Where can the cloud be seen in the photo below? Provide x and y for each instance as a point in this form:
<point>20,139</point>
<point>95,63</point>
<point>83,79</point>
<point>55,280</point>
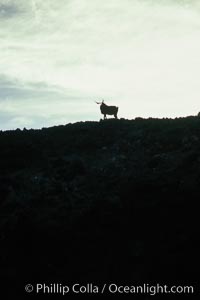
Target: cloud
<point>59,56</point>
<point>7,11</point>
<point>34,105</point>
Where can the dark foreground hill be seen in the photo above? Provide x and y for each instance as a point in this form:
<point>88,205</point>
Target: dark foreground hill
<point>101,202</point>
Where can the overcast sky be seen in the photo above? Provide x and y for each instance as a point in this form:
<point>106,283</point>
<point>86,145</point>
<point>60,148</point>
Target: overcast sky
<point>58,57</point>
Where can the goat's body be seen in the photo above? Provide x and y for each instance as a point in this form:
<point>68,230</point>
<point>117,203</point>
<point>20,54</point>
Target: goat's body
<point>108,110</point>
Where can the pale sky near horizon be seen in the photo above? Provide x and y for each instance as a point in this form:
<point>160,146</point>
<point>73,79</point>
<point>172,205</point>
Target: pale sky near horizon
<point>58,57</point>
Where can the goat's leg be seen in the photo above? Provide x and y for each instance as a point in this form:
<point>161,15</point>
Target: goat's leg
<point>104,117</point>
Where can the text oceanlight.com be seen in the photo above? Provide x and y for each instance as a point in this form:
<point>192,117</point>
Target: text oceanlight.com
<point>112,288</point>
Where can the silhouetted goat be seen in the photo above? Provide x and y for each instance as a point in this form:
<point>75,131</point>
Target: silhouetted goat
<point>108,110</point>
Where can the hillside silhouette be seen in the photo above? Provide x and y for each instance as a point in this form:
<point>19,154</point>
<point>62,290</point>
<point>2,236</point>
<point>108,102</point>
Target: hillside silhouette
<point>108,201</point>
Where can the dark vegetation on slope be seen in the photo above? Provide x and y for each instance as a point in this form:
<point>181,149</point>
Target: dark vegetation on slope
<point>109,201</point>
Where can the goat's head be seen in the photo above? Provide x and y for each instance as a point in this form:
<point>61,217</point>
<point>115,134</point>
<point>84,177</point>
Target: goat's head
<point>102,102</point>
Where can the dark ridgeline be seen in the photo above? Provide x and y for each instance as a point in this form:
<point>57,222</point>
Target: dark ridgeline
<point>111,201</point>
